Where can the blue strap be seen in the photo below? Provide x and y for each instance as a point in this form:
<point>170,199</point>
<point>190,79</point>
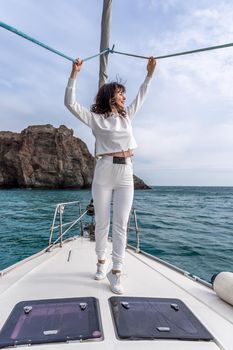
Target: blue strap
<point>25,36</point>
<point>175,54</point>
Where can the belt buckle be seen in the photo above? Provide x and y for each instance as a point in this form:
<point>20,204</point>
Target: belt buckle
<point>119,160</point>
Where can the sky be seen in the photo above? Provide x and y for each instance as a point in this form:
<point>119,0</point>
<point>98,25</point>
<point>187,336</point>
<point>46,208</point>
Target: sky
<point>184,129</point>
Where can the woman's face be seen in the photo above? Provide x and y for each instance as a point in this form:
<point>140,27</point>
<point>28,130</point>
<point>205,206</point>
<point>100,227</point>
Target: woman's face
<point>120,98</point>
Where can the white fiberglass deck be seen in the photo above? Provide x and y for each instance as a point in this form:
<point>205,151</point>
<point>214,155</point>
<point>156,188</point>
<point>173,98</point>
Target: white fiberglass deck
<point>51,275</point>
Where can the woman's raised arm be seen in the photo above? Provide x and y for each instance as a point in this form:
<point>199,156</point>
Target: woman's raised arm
<point>132,109</point>
<point>80,112</point>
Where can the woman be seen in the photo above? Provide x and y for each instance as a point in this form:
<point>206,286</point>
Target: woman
<point>110,122</point>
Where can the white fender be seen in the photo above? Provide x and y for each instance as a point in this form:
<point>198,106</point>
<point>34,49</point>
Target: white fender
<point>223,286</point>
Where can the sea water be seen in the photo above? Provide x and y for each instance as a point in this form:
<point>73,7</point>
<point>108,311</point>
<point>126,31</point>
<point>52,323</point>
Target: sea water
<point>190,227</point>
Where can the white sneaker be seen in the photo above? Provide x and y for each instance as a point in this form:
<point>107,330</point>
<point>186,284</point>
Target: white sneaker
<point>115,282</point>
<point>101,271</point>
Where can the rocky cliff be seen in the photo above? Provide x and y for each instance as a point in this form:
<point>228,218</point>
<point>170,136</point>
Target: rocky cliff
<point>42,156</point>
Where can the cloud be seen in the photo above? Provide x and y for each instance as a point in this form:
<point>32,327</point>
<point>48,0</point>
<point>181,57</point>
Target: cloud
<point>186,122</point>
<point>191,127</point>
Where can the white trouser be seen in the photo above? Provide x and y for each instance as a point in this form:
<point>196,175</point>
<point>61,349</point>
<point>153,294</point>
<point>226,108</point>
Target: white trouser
<point>116,179</point>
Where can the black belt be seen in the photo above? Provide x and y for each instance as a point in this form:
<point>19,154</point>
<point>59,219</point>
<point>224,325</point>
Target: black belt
<point>119,160</point>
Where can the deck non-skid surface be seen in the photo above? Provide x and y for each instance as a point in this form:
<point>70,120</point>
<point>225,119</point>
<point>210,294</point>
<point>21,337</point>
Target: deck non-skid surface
<point>70,273</point>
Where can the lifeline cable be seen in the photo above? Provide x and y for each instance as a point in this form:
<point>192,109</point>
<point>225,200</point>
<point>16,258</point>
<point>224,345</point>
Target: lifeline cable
<point>107,50</point>
<point>25,36</point>
<point>175,54</point>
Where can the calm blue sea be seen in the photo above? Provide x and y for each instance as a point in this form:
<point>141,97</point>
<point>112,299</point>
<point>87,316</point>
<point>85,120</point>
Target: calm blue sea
<point>190,227</point>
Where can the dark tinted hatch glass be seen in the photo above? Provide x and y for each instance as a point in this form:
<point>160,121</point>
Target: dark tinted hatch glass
<point>155,318</point>
<point>53,320</point>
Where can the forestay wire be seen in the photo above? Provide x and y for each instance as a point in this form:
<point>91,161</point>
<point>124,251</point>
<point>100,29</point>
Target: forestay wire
<point>107,50</point>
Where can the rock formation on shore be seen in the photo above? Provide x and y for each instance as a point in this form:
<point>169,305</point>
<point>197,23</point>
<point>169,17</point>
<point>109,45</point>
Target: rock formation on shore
<point>42,156</point>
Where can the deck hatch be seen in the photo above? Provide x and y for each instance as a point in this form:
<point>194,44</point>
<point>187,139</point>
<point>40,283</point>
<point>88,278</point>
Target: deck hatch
<point>52,320</point>
<point>155,318</point>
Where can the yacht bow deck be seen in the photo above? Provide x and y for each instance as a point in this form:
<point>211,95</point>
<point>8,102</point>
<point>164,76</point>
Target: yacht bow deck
<point>69,272</point>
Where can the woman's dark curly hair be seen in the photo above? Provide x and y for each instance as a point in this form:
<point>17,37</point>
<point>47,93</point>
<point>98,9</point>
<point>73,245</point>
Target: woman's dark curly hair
<point>105,99</point>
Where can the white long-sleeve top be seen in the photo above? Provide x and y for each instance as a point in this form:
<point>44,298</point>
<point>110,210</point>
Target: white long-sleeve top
<point>113,133</point>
